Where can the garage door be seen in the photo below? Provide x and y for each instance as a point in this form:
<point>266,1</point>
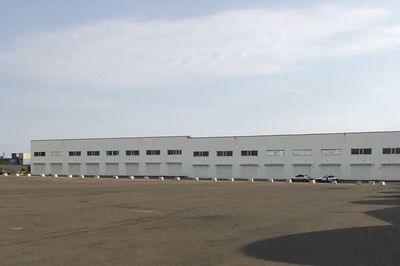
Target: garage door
<point>174,169</point>
<point>302,169</point>
<point>330,169</point>
<point>362,171</point>
<point>92,169</point>
<point>56,168</point>
<point>248,171</point>
<point>391,172</point>
<point>74,168</point>
<point>38,168</point>
<point>274,171</point>
<point>224,171</point>
<point>200,171</point>
<point>112,169</point>
<point>153,169</point>
<point>132,169</point>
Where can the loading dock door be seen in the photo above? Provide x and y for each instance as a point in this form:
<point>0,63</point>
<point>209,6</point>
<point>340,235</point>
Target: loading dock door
<point>224,171</point>
<point>56,168</point>
<point>74,168</point>
<point>153,169</point>
<point>330,169</point>
<point>39,168</point>
<point>112,169</point>
<point>132,169</point>
<point>200,171</point>
<point>302,169</point>
<point>174,169</point>
<point>391,172</point>
<point>361,171</point>
<point>92,169</point>
<point>274,171</point>
<point>248,171</point>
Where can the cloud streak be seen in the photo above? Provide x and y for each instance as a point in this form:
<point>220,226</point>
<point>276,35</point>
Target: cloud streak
<point>139,54</point>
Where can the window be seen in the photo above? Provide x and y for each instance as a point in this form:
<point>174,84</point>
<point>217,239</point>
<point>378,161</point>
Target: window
<point>331,152</point>
<point>174,152</point>
<point>391,150</point>
<point>39,154</point>
<point>224,153</point>
<point>275,152</point>
<point>249,153</point>
<point>200,153</point>
<point>112,153</point>
<point>153,152</point>
<point>74,153</point>
<point>56,153</point>
<point>132,152</point>
<point>365,151</point>
<point>93,153</point>
<point>302,152</point>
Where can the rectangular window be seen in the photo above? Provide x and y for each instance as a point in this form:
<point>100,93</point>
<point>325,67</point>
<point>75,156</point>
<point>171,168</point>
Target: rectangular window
<point>362,151</point>
<point>93,153</point>
<point>200,153</point>
<point>224,153</point>
<point>391,150</point>
<point>153,152</point>
<point>302,152</point>
<point>331,152</point>
<point>275,152</point>
<point>74,153</point>
<point>174,152</point>
<point>39,153</point>
<point>132,152</point>
<point>56,153</point>
<point>249,153</point>
<point>112,153</point>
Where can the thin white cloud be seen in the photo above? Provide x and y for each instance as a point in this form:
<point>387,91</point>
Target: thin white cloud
<point>131,53</point>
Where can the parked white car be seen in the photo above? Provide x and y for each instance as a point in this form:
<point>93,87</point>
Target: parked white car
<point>327,178</point>
<point>301,177</point>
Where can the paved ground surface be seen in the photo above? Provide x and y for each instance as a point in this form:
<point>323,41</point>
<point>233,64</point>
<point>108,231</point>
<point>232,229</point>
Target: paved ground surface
<point>62,221</point>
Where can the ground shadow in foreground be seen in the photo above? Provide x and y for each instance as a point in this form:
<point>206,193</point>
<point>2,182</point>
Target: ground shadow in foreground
<point>376,245</point>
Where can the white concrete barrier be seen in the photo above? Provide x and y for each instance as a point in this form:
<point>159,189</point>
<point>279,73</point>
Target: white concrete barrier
<point>5,174</point>
<point>82,176</point>
<point>29,175</point>
<point>270,180</point>
<point>97,176</point>
<point>334,182</point>
<point>116,177</point>
<point>55,175</point>
<point>382,183</point>
<point>214,179</point>
<point>161,178</point>
<point>232,179</point>
<point>43,175</point>
<point>251,180</point>
<point>177,178</point>
<point>289,180</point>
<point>132,177</point>
<point>146,178</point>
<point>196,179</point>
<point>17,174</point>
<point>371,182</point>
<point>70,176</point>
<point>312,181</point>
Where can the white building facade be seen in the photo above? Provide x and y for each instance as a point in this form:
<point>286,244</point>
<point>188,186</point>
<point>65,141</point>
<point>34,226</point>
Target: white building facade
<point>352,156</point>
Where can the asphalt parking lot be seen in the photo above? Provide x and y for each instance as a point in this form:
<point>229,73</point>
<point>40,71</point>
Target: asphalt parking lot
<point>62,221</point>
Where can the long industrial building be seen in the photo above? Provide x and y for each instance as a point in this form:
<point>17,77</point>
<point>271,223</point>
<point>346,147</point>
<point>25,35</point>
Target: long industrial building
<point>353,156</point>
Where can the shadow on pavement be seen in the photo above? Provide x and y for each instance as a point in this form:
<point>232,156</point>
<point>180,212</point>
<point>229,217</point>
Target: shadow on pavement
<point>373,245</point>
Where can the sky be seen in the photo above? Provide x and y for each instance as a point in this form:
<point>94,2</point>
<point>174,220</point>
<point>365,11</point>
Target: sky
<point>80,69</point>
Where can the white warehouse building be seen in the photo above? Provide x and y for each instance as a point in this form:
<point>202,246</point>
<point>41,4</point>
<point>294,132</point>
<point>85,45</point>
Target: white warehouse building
<point>355,156</point>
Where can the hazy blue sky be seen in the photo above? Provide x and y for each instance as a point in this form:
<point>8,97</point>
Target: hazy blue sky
<point>99,68</point>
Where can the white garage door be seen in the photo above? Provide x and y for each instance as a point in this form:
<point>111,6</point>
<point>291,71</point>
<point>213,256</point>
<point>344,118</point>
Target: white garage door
<point>112,169</point>
<point>74,168</point>
<point>56,168</point>
<point>330,169</point>
<point>361,171</point>
<point>302,169</point>
<point>274,171</point>
<point>224,171</point>
<point>92,169</point>
<point>174,169</point>
<point>132,169</point>
<point>391,172</point>
<point>248,171</point>
<point>38,168</point>
<point>200,171</point>
<point>153,169</point>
